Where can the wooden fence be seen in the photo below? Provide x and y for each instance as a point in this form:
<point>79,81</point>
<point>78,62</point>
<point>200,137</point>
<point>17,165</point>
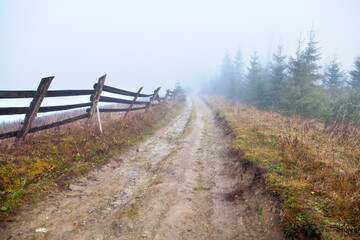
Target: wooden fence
<point>95,97</point>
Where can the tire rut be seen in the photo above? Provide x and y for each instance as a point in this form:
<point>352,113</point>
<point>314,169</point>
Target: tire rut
<point>172,186</point>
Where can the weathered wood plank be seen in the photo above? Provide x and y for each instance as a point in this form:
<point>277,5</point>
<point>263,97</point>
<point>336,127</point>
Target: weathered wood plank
<point>153,98</point>
<point>133,101</point>
<point>33,109</point>
<point>50,93</point>
<point>23,110</point>
<point>121,91</point>
<point>120,109</point>
<point>57,124</point>
<point>44,127</point>
<point>118,100</point>
<point>95,99</point>
<point>167,95</point>
<point>8,134</point>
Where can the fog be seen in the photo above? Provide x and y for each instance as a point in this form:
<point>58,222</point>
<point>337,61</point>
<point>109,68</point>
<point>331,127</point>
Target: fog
<point>155,43</point>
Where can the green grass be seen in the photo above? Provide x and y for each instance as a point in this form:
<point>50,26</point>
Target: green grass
<point>51,158</point>
<point>316,176</point>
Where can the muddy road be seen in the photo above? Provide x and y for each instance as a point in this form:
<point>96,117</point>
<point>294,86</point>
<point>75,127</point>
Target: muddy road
<point>181,183</point>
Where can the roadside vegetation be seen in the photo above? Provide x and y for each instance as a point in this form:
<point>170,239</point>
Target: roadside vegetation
<point>50,158</point>
<point>293,85</point>
<point>313,169</point>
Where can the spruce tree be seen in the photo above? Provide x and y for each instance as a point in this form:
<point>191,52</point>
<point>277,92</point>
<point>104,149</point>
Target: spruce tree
<point>239,75</point>
<point>255,84</point>
<point>355,75</point>
<point>232,88</point>
<point>354,96</point>
<point>226,74</point>
<point>304,76</point>
<point>278,78</point>
<point>265,77</point>
<point>334,79</point>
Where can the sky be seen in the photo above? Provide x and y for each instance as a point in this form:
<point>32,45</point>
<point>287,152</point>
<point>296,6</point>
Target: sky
<point>154,43</point>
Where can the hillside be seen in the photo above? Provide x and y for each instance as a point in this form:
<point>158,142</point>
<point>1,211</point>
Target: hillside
<point>50,158</point>
<point>181,183</point>
<point>313,168</point>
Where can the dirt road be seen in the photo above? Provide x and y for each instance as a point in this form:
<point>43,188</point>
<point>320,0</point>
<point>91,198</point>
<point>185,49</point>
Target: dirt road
<point>182,183</point>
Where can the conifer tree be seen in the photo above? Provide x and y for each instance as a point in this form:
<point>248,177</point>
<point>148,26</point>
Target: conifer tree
<point>354,96</point>
<point>355,75</point>
<point>334,79</point>
<point>255,84</point>
<point>265,77</point>
<point>226,74</point>
<point>239,75</point>
<point>232,88</point>
<point>304,75</point>
<point>278,78</point>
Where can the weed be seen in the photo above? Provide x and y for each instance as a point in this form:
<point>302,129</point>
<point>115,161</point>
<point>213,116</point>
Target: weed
<point>129,211</point>
<point>156,182</point>
<point>315,174</point>
<point>50,158</point>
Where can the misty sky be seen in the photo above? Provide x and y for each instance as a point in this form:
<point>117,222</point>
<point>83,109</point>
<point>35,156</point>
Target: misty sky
<point>153,43</point>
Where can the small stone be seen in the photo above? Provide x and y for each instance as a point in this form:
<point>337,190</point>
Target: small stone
<point>130,227</point>
<point>90,209</point>
<point>116,203</point>
<point>76,223</point>
<point>139,150</point>
<point>170,171</point>
<point>132,182</point>
<point>107,231</point>
<point>205,187</point>
<point>131,173</point>
<point>73,187</point>
<point>41,230</point>
<point>75,194</point>
<point>148,166</point>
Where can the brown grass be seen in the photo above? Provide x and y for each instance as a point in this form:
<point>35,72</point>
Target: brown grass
<point>314,171</point>
<point>50,158</point>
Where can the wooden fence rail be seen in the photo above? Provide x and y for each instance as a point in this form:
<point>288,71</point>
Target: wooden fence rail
<point>121,91</point>
<point>50,93</point>
<point>95,97</point>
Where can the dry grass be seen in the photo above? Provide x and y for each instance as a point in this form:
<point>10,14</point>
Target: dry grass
<point>314,171</point>
<point>49,158</point>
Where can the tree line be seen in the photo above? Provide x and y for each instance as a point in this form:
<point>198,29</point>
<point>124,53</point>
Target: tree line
<point>293,85</point>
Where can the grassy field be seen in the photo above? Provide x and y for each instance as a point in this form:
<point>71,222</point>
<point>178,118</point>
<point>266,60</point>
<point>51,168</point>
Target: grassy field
<point>50,158</point>
<point>313,168</point>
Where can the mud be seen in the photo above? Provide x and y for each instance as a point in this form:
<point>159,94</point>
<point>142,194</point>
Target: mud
<point>182,183</point>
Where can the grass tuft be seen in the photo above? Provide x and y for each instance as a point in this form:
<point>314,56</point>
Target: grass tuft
<point>316,175</point>
<point>52,157</point>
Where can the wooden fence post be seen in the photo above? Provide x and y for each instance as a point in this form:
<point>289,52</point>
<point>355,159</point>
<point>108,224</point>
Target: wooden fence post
<point>132,103</point>
<point>167,95</point>
<point>95,99</point>
<point>33,109</point>
<point>152,98</point>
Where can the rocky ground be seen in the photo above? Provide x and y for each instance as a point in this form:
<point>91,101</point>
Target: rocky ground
<point>181,183</point>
